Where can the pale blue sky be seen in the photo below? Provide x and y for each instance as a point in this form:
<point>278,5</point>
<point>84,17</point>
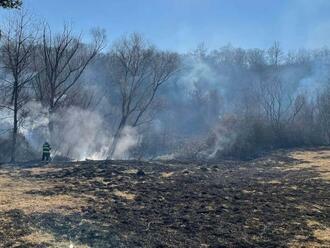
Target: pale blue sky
<point>181,25</point>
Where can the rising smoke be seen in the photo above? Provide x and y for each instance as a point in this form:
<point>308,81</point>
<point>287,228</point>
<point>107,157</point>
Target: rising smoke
<point>216,98</point>
<point>79,133</point>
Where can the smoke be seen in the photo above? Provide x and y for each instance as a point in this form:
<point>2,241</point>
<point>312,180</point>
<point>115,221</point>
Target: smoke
<point>35,124</point>
<point>129,139</point>
<point>235,79</point>
<point>6,117</point>
<point>84,134</point>
<point>316,80</point>
<point>196,70</point>
<point>78,133</point>
<point>196,100</point>
<point>225,135</point>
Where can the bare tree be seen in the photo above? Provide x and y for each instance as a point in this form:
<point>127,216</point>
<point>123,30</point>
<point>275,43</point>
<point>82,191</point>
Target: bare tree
<point>17,46</point>
<point>10,3</point>
<point>138,70</point>
<point>256,59</point>
<point>279,105</point>
<point>62,59</point>
<point>275,54</point>
<point>323,104</point>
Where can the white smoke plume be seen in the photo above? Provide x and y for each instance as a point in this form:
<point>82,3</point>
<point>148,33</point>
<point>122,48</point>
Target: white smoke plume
<point>35,125</point>
<point>129,139</point>
<point>224,137</point>
<point>78,133</point>
<point>316,81</point>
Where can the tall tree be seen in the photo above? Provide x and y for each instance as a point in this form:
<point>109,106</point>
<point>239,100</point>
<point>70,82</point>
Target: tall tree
<point>62,59</point>
<point>17,46</point>
<point>138,70</point>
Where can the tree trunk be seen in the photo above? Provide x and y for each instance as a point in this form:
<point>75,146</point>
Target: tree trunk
<point>15,127</point>
<point>51,127</point>
<point>50,117</point>
<point>117,136</point>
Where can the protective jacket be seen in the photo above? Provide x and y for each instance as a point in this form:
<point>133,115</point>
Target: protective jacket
<point>46,148</point>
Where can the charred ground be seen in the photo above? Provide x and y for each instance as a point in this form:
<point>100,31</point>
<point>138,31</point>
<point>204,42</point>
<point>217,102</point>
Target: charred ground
<point>281,200</point>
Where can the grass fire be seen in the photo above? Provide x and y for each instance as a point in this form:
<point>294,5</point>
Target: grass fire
<point>164,124</point>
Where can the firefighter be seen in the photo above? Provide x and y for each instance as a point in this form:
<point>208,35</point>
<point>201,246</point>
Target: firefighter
<point>46,151</point>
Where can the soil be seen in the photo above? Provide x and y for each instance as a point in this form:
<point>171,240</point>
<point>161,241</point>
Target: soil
<point>280,200</point>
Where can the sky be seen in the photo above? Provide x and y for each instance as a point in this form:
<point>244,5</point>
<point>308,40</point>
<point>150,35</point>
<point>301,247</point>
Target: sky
<point>181,25</point>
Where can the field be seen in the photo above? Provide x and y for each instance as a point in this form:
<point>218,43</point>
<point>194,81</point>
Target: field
<point>279,200</point>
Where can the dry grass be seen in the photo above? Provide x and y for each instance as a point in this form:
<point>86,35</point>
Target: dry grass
<point>130,171</point>
<point>299,244</point>
<point>124,194</point>
<point>14,194</point>
<point>167,174</point>
<point>96,191</point>
<point>39,237</point>
<point>322,234</point>
<point>42,170</point>
<point>98,179</point>
<point>248,191</point>
<point>313,160</point>
<point>318,161</point>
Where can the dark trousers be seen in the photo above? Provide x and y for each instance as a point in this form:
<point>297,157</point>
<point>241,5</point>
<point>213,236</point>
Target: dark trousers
<point>45,156</point>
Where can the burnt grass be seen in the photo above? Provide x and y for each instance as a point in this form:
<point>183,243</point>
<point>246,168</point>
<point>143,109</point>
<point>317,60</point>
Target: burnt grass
<point>202,204</point>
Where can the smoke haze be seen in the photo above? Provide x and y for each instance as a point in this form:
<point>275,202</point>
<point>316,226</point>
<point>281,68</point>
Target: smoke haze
<point>228,101</point>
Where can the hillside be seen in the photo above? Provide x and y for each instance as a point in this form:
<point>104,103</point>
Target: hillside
<point>280,200</point>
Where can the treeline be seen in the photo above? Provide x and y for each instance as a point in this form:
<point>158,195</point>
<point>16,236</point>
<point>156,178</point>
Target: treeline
<point>136,101</point>
<point>247,101</point>
<point>239,103</point>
